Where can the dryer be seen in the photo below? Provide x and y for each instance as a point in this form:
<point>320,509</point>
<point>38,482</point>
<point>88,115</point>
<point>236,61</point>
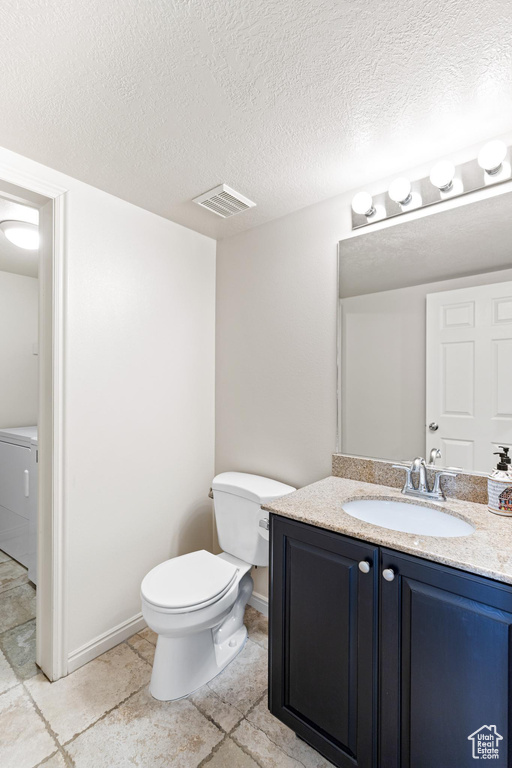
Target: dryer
<point>18,495</point>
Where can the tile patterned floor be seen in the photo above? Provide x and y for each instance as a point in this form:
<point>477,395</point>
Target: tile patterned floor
<point>102,715</point>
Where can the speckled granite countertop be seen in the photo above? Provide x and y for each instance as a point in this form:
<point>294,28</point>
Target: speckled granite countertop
<point>487,551</point>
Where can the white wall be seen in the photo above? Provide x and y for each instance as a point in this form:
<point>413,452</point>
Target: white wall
<point>276,348</point>
<point>139,399</point>
<point>383,368</point>
<point>139,402</point>
<point>18,363</point>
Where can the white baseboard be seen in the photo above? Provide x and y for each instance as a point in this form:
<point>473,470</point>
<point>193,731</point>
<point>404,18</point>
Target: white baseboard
<point>123,631</point>
<point>259,602</point>
<point>105,642</point>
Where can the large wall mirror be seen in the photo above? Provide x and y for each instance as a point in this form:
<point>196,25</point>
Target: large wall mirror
<point>425,337</point>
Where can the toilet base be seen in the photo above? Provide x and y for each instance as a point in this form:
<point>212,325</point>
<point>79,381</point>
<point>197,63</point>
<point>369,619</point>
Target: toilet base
<point>226,651</point>
<point>184,664</point>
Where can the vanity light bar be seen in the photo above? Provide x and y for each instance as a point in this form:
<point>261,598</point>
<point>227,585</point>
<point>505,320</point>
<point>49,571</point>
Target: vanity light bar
<point>493,166</point>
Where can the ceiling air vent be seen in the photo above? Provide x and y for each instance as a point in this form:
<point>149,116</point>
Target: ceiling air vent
<point>224,201</point>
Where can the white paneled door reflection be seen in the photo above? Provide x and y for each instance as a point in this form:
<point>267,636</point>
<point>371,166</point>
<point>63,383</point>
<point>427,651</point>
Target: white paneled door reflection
<point>469,374</point>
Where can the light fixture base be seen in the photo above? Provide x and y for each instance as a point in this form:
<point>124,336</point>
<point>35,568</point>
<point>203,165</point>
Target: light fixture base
<point>470,177</point>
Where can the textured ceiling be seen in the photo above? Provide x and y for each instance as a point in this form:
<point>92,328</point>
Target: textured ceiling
<point>12,258</point>
<point>289,102</point>
<point>468,240</point>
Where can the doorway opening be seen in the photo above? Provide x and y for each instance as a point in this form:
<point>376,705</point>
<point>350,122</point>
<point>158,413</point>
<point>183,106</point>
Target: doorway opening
<point>19,405</point>
<point>31,566</point>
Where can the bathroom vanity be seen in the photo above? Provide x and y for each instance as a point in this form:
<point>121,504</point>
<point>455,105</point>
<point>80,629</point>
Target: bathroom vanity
<point>389,649</point>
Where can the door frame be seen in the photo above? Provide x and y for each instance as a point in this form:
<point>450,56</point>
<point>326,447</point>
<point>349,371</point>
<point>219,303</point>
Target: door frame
<point>51,652</point>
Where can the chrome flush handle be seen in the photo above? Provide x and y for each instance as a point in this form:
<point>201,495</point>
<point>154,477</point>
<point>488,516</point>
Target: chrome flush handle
<point>264,523</point>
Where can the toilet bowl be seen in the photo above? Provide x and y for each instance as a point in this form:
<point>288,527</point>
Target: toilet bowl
<point>200,626</point>
<point>196,602</point>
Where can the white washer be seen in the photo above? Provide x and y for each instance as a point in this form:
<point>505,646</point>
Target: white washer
<point>18,495</point>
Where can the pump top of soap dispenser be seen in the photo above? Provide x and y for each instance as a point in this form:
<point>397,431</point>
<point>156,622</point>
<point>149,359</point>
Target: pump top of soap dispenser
<point>505,460</point>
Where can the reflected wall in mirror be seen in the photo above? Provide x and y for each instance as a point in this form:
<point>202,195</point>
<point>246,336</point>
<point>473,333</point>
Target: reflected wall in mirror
<point>425,337</point>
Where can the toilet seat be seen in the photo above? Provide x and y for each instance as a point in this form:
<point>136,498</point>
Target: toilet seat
<point>189,582</point>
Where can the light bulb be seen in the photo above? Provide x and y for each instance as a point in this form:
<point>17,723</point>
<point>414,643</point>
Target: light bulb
<point>442,175</point>
<point>491,156</point>
<point>21,233</point>
<point>362,204</point>
<point>400,191</point>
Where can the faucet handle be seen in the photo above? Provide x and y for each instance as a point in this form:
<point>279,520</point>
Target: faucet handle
<point>437,481</point>
<point>406,468</point>
<point>408,486</point>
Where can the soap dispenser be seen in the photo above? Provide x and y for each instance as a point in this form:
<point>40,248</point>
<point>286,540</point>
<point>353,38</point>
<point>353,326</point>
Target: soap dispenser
<point>500,485</point>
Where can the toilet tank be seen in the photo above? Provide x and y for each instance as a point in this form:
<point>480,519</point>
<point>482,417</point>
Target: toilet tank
<point>238,497</point>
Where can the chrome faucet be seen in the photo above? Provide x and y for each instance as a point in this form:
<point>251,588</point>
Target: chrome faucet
<point>422,489</point>
<point>419,466</point>
<point>435,453</point>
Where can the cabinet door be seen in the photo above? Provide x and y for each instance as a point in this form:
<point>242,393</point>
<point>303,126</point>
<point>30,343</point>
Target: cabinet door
<point>322,627</point>
<point>445,651</point>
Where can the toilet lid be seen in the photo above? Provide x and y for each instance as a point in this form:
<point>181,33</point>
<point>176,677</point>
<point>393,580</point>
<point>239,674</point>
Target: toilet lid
<point>188,581</point>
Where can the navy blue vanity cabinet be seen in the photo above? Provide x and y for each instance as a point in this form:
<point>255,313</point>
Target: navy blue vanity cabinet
<point>445,665</point>
<point>322,640</point>
<point>383,660</point>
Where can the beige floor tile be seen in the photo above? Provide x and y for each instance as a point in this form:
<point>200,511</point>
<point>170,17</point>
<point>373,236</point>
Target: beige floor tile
<point>147,733</point>
<point>285,738</point>
<point>17,606</point>
<point>3,557</point>
<point>75,702</point>
<point>229,755</point>
<point>210,704</point>
<point>12,574</point>
<point>7,677</point>
<point>257,626</point>
<point>19,646</point>
<point>149,635</point>
<point>261,748</point>
<point>24,740</point>
<point>143,647</point>
<point>244,681</point>
<point>56,761</point>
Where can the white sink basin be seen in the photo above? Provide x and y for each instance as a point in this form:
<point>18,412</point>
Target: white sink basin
<point>409,518</point>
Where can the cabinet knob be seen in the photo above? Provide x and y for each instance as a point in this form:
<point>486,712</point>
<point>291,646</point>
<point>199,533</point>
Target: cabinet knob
<point>433,426</point>
<point>388,574</point>
<point>364,566</point>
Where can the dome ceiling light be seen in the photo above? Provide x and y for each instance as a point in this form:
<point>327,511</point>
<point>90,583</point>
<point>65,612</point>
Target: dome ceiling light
<point>21,233</point>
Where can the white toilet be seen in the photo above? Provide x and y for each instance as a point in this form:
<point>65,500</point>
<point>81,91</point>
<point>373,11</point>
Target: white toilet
<point>195,603</point>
